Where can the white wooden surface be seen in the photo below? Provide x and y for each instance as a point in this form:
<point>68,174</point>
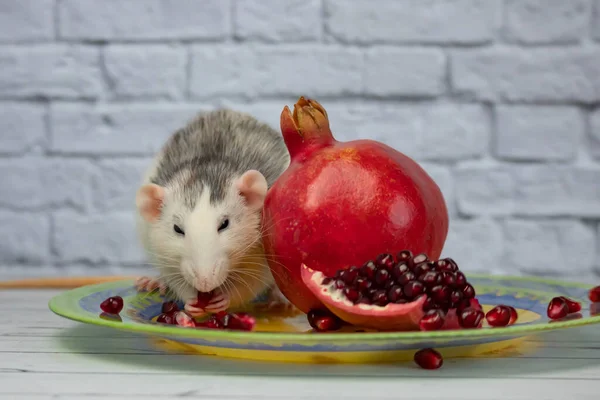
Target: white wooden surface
<point>43,356</point>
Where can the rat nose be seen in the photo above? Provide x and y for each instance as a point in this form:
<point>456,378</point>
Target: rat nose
<point>202,284</point>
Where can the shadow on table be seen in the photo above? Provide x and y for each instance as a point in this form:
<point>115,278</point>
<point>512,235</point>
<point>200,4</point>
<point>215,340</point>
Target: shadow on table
<point>520,363</point>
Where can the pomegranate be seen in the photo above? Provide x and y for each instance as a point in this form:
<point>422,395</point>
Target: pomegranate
<point>428,359</point>
<point>338,203</point>
<point>573,306</point>
<point>499,316</point>
<point>594,294</point>
<point>323,321</point>
<point>401,300</point>
<point>112,305</point>
<point>557,308</point>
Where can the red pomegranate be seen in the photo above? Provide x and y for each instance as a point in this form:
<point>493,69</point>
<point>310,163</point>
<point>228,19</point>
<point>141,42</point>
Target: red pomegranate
<point>338,203</point>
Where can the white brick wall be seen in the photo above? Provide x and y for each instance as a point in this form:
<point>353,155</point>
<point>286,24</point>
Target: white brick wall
<point>498,99</point>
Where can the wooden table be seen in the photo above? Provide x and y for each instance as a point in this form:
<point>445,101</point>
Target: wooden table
<point>43,356</point>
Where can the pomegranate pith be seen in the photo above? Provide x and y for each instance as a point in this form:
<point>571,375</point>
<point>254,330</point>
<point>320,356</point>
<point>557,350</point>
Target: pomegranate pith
<point>557,308</point>
<point>112,305</point>
<point>314,214</point>
<point>428,359</point>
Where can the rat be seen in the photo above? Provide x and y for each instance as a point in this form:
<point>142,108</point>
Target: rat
<point>199,210</point>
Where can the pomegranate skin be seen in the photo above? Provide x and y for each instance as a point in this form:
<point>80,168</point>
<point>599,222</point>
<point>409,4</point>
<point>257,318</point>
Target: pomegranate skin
<point>338,203</point>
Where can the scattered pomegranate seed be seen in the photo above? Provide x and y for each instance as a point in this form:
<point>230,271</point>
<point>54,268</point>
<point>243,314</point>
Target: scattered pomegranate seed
<point>470,318</point>
<point>428,359</point>
<point>498,316</point>
<point>169,307</point>
<point>432,321</point>
<point>240,321</point>
<point>514,316</point>
<point>168,319</point>
<point>594,294</point>
<point>323,321</point>
<point>212,323</point>
<point>573,305</point>
<point>557,308</point>
<point>184,319</point>
<point>112,305</point>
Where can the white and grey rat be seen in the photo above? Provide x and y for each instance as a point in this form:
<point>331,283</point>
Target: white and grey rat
<point>199,209</point>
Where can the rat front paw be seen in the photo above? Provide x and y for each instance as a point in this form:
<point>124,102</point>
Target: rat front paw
<point>190,308</point>
<point>148,284</point>
<point>219,302</point>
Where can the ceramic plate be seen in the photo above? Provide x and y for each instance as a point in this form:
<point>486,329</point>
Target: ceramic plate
<point>288,337</point>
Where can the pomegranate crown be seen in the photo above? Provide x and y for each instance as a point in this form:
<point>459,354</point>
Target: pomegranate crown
<point>306,126</point>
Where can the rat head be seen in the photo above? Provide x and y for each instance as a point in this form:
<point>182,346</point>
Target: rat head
<point>197,232</point>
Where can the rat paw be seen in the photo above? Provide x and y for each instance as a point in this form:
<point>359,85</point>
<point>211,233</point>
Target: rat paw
<point>190,308</point>
<point>219,302</point>
<point>148,284</point>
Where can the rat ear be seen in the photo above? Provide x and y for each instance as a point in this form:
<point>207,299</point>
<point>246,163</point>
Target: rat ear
<point>149,200</point>
<point>253,186</point>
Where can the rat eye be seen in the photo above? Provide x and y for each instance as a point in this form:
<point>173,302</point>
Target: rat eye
<point>178,230</point>
<point>224,225</point>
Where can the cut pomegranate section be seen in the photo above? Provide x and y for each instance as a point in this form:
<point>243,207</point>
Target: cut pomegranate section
<point>557,308</point>
<point>428,359</point>
<point>396,300</point>
<point>112,305</point>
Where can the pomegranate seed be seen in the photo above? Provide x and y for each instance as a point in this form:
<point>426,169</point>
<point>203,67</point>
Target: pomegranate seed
<point>240,321</point>
<point>351,294</point>
<point>514,316</point>
<point>203,298</point>
<point>455,297</point>
<point>574,306</point>
<point>323,321</point>
<point>339,284</point>
<point>405,278</point>
<point>440,294</point>
<point>362,284</point>
<point>382,276</point>
<point>432,321</point>
<point>498,316</point>
<point>168,319</point>
<point>380,298</point>
<point>395,293</point>
<point>453,265</point>
<point>420,269</point>
<point>460,278</point>
<point>418,259</point>
<point>184,319</point>
<point>368,270</point>
<point>442,265</point>
<point>557,308</point>
<point>399,269</point>
<point>429,304</point>
<point>413,289</point>
<point>169,307</point>
<point>470,318</point>
<point>428,359</point>
<point>212,323</point>
<point>112,305</point>
<point>594,294</point>
<point>468,291</point>
<point>448,279</point>
<point>385,261</point>
<point>404,255</point>
<point>431,278</point>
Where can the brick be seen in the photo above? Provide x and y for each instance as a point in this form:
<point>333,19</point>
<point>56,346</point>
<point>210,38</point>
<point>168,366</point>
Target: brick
<point>154,19</point>
<point>546,21</point>
<point>51,70</point>
<point>528,75</point>
<point>117,182</point>
<point>137,129</point>
<point>25,238</point>
<point>476,245</point>
<point>98,238</point>
<point>244,71</point>
<point>404,72</point>
<point>596,19</point>
<point>25,20</point>
<point>38,183</point>
<point>412,21</point>
<point>22,126</point>
<point>528,190</point>
<point>595,133</point>
<point>157,71</point>
<point>268,112</point>
<point>538,132</point>
<point>278,20</point>
<point>549,247</point>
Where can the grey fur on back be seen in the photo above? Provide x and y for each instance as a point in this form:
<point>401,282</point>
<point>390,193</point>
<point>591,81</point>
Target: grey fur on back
<point>217,146</point>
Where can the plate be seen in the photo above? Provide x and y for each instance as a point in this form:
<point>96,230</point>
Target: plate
<point>280,336</point>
